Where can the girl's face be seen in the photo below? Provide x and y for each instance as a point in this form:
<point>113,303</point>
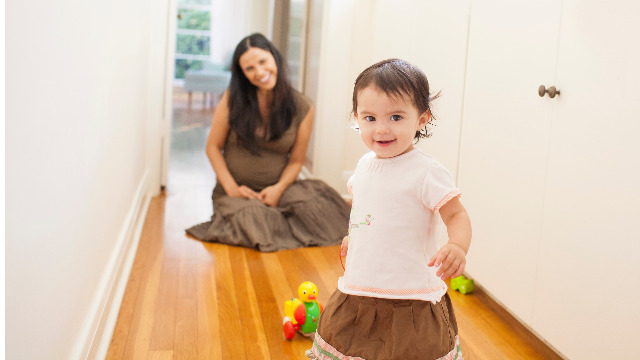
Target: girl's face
<point>259,67</point>
<point>388,125</point>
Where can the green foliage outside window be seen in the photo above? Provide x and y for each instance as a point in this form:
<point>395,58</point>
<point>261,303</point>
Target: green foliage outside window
<point>194,19</point>
<point>183,65</point>
<point>192,44</point>
<point>189,44</point>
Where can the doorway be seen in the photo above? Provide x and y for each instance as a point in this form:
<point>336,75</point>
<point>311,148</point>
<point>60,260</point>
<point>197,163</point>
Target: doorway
<point>205,33</point>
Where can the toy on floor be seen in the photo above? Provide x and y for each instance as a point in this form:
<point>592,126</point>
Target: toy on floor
<point>462,284</point>
<point>302,314</point>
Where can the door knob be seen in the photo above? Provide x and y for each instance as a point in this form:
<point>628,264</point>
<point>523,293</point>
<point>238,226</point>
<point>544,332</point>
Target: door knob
<point>552,91</point>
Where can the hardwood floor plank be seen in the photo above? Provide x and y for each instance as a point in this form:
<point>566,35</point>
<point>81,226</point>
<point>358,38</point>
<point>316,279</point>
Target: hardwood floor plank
<point>475,341</point>
<point>138,342</point>
<point>186,324</point>
<point>519,337</point>
<point>328,272</point>
<point>251,320</point>
<point>139,273</point>
<point>209,334</point>
<point>164,322</point>
<point>270,282</point>
<point>273,274</point>
<point>160,355</point>
<point>228,312</point>
<point>499,343</point>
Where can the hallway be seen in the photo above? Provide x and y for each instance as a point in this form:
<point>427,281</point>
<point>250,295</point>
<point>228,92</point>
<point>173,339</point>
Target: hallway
<point>186,299</point>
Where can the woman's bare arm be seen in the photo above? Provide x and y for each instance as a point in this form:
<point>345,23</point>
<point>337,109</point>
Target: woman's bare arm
<point>215,143</point>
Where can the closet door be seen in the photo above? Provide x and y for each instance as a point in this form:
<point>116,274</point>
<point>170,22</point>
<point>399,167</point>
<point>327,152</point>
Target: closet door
<point>589,272</point>
<point>505,137</point>
<point>442,58</point>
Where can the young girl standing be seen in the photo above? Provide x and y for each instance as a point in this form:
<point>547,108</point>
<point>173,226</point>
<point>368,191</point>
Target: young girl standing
<point>392,302</point>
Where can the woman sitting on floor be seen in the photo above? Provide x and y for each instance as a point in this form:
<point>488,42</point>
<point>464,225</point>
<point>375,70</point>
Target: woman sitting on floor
<point>257,146</point>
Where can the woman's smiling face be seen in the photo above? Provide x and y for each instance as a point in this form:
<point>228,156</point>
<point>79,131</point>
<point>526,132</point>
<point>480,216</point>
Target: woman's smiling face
<point>387,124</point>
<point>259,67</point>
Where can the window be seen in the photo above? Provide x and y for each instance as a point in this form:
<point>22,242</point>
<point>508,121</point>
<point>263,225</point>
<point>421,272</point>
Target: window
<point>296,44</point>
<point>193,35</point>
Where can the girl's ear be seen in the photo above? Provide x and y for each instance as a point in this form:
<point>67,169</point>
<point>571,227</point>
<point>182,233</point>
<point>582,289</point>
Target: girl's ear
<point>424,119</point>
<point>356,124</point>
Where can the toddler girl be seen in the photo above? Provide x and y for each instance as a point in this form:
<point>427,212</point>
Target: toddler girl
<point>392,302</point>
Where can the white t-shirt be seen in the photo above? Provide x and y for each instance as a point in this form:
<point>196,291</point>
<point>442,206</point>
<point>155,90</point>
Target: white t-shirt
<point>393,227</point>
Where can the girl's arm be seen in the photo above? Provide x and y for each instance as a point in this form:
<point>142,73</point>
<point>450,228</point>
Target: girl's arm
<point>271,194</point>
<point>215,143</point>
<point>452,256</point>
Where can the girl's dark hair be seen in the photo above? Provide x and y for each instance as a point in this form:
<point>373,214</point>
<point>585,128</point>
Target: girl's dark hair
<point>397,78</point>
<point>244,112</point>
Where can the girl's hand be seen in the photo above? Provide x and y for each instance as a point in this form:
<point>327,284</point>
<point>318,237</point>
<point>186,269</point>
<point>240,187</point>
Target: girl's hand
<point>271,195</point>
<point>451,259</point>
<point>244,192</point>
<point>344,247</point>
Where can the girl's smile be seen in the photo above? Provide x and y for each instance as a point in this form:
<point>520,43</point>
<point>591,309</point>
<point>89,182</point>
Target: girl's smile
<point>384,143</point>
<point>387,124</point>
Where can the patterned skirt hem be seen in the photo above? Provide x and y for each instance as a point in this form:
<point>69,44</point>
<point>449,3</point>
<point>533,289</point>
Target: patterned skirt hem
<point>321,350</point>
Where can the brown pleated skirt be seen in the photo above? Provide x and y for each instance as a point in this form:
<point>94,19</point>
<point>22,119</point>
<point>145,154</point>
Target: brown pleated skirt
<point>357,327</point>
<point>309,213</point>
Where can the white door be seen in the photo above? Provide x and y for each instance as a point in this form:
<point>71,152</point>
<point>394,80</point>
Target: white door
<point>589,269</point>
<point>505,137</point>
<point>442,58</point>
<point>312,67</point>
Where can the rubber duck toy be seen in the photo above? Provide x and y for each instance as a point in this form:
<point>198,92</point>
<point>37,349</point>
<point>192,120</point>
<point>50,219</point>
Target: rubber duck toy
<point>301,314</point>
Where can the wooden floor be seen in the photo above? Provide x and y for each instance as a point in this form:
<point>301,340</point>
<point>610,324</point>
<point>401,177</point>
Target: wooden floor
<point>186,299</point>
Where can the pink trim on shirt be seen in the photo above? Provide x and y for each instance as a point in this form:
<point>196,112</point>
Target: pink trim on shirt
<point>451,195</point>
<point>398,292</point>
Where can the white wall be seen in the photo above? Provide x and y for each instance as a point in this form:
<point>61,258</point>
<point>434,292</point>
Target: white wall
<point>334,91</point>
<point>78,166</point>
<point>233,20</point>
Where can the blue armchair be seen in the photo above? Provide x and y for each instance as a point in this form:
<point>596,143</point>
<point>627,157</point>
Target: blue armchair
<point>213,79</point>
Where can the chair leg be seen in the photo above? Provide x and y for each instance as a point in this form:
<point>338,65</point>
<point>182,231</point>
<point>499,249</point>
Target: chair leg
<point>204,100</point>
<point>189,102</point>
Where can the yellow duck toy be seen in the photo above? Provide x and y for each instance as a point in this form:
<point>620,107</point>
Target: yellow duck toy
<point>302,314</point>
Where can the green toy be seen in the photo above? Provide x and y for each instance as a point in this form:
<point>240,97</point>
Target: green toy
<point>302,314</point>
<point>462,284</point>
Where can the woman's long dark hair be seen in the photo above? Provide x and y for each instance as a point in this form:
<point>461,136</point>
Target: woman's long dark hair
<point>244,112</point>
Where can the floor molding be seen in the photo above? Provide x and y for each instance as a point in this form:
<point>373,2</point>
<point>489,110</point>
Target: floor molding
<point>525,331</point>
<point>305,173</point>
<point>93,340</point>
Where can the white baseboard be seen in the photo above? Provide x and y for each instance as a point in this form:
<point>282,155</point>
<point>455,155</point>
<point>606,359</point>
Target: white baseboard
<point>516,317</point>
<point>305,173</point>
<point>93,340</point>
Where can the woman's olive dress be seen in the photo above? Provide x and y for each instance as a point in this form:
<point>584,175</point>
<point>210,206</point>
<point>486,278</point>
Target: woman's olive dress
<point>309,213</point>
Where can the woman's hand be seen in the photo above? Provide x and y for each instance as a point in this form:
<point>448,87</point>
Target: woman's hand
<point>271,195</point>
<point>451,258</point>
<point>244,192</point>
